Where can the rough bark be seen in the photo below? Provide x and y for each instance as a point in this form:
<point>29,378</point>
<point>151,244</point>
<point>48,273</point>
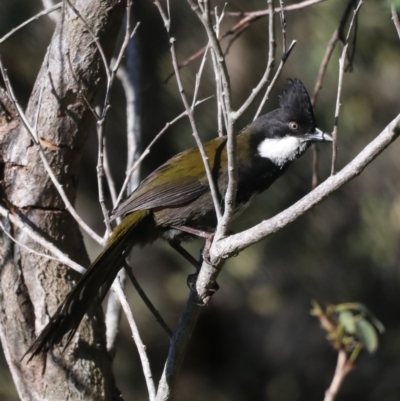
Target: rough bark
<point>31,287</point>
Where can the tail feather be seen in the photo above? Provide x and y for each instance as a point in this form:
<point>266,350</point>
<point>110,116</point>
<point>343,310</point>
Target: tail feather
<point>92,287</point>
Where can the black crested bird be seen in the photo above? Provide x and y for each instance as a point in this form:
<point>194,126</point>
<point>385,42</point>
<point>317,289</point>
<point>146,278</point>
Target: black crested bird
<point>174,202</point>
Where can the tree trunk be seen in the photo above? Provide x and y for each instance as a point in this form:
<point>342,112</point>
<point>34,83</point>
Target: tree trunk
<point>31,287</point>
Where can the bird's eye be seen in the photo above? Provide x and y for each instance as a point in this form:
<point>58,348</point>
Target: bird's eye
<point>293,126</point>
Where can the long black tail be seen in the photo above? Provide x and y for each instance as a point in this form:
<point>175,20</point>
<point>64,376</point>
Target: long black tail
<point>93,286</point>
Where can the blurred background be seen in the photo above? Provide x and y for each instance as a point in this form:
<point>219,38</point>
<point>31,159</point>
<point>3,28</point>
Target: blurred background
<point>257,340</point>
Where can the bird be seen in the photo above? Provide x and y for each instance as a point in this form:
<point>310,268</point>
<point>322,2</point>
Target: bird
<point>175,202</point>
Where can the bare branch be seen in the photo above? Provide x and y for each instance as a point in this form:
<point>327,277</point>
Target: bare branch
<point>138,341</point>
<point>133,127</point>
<point>16,220</point>
<point>28,21</point>
<point>131,85</point>
<point>146,300</point>
<point>263,13</point>
<point>340,84</point>
<point>42,255</point>
<point>270,65</point>
<point>53,16</point>
<point>179,341</point>
<point>222,71</point>
<point>395,18</point>
<point>275,78</point>
<point>343,367</point>
<point>110,73</point>
<point>166,18</point>
<point>338,35</point>
<point>148,149</point>
<point>196,135</point>
<point>184,330</point>
<point>100,176</point>
<point>249,18</point>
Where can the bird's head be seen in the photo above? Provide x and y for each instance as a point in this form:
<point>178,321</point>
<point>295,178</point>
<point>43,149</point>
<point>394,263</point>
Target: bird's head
<point>285,133</point>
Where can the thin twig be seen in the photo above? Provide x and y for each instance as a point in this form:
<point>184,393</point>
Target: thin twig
<point>144,359</point>
<point>148,149</point>
<point>283,25</point>
<point>338,35</point>
<point>395,19</point>
<point>221,113</point>
<point>196,135</point>
<point>230,194</point>
<point>263,13</point>
<point>270,64</point>
<point>106,106</point>
<point>275,78</point>
<point>343,368</point>
<point>46,164</point>
<point>166,19</point>
<point>315,166</point>
<point>23,226</point>
<point>133,124</point>
<point>340,85</point>
<point>146,300</point>
<point>271,52</point>
<point>198,79</point>
<point>110,73</point>
<point>42,255</point>
<point>249,18</point>
<point>109,177</point>
<point>179,341</point>
<point>53,16</point>
<point>100,176</point>
<point>318,86</point>
<point>131,84</point>
<point>28,21</point>
<point>94,37</point>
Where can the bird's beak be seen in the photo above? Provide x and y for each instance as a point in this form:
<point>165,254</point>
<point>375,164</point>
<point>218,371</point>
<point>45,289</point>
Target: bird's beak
<point>318,136</point>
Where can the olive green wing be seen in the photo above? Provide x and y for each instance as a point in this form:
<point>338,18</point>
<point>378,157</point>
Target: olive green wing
<point>180,180</point>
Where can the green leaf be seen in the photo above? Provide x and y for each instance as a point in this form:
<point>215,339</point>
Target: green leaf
<point>367,335</point>
<point>358,307</point>
<point>346,318</point>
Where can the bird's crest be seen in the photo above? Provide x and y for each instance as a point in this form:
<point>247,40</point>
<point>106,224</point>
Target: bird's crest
<point>295,100</point>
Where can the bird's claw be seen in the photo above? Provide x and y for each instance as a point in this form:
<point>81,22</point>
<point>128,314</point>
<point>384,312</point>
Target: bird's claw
<point>206,250</point>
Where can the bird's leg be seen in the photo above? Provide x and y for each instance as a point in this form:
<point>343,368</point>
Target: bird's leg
<point>182,251</point>
<point>191,279</point>
<point>202,234</point>
<point>194,231</point>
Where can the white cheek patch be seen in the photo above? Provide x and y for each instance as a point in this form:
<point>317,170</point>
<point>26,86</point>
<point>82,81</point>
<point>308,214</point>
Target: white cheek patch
<point>281,150</point>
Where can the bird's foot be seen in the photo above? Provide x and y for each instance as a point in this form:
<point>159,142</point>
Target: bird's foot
<point>206,250</point>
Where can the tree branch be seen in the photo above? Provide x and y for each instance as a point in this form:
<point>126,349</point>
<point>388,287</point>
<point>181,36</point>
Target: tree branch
<point>236,243</point>
<point>343,368</point>
<point>340,85</point>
